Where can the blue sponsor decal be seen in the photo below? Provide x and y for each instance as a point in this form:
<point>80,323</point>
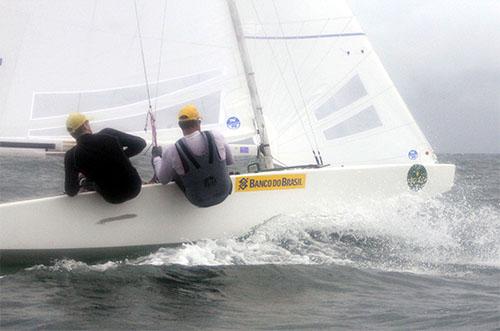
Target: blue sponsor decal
<point>244,149</point>
<point>233,122</point>
<point>413,154</point>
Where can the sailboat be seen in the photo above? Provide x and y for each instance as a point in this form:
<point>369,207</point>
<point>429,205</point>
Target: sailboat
<point>296,83</point>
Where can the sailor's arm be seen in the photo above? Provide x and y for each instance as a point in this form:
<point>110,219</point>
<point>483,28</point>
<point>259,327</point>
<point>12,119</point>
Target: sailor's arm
<point>229,154</point>
<point>71,186</point>
<point>163,168</point>
<point>220,141</point>
<point>133,145</point>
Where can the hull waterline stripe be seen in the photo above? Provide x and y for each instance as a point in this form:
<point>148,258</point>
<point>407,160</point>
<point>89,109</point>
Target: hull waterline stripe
<point>317,36</point>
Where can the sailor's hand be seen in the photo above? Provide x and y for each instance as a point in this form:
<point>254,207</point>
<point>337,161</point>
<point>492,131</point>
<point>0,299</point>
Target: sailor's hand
<point>156,151</point>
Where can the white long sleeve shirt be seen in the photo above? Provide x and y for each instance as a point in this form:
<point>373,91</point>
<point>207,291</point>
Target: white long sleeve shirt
<point>170,163</point>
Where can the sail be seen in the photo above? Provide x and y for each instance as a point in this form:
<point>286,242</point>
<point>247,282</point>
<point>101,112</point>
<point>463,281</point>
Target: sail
<point>64,56</point>
<point>323,88</point>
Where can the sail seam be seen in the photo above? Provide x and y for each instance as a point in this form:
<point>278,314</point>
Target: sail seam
<point>317,36</point>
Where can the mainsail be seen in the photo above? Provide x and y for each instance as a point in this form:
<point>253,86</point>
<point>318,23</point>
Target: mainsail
<point>322,86</point>
<point>324,89</point>
<point>66,56</point>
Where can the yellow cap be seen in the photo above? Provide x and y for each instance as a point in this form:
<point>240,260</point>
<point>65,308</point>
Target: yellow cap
<point>188,113</point>
<point>74,121</point>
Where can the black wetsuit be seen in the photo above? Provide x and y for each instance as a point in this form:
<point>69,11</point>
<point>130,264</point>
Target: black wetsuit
<point>103,158</point>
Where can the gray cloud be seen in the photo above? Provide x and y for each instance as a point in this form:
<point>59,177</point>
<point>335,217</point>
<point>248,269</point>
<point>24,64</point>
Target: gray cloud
<point>444,57</point>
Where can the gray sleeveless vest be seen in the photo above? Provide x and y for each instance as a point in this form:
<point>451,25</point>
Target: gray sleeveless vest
<point>206,180</point>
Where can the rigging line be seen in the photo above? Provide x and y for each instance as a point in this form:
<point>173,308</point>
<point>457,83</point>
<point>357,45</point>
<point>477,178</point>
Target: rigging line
<point>142,53</point>
<point>308,116</point>
<point>274,98</point>
<point>284,81</point>
<point>312,48</point>
<point>149,114</point>
<point>317,41</point>
<point>160,55</point>
<point>291,119</point>
<point>279,74</point>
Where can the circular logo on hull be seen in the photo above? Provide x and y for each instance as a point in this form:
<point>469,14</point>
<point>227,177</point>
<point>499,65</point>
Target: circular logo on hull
<point>417,177</point>
<point>233,122</point>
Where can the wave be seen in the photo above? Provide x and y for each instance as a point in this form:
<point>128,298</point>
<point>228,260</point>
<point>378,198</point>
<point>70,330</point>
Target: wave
<point>401,234</point>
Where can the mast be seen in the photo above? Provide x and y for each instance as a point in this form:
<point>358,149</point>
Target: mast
<point>266,160</point>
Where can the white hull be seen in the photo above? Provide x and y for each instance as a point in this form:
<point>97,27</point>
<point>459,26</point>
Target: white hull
<point>162,215</point>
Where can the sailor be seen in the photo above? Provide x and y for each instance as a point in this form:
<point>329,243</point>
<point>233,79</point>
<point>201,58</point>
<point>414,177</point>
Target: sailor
<point>102,158</point>
<point>197,162</point>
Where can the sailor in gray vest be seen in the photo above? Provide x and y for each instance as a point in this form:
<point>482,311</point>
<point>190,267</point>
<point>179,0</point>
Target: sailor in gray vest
<point>197,162</point>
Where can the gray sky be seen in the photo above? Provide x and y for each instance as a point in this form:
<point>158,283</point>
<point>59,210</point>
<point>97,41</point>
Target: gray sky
<point>444,57</point>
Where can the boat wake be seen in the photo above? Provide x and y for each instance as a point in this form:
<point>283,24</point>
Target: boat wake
<point>401,235</point>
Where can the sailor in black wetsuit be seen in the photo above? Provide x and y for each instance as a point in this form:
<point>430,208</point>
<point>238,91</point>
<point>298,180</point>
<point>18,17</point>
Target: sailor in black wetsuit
<point>102,158</point>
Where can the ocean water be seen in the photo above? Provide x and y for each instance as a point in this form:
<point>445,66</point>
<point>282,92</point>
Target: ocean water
<point>391,264</point>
